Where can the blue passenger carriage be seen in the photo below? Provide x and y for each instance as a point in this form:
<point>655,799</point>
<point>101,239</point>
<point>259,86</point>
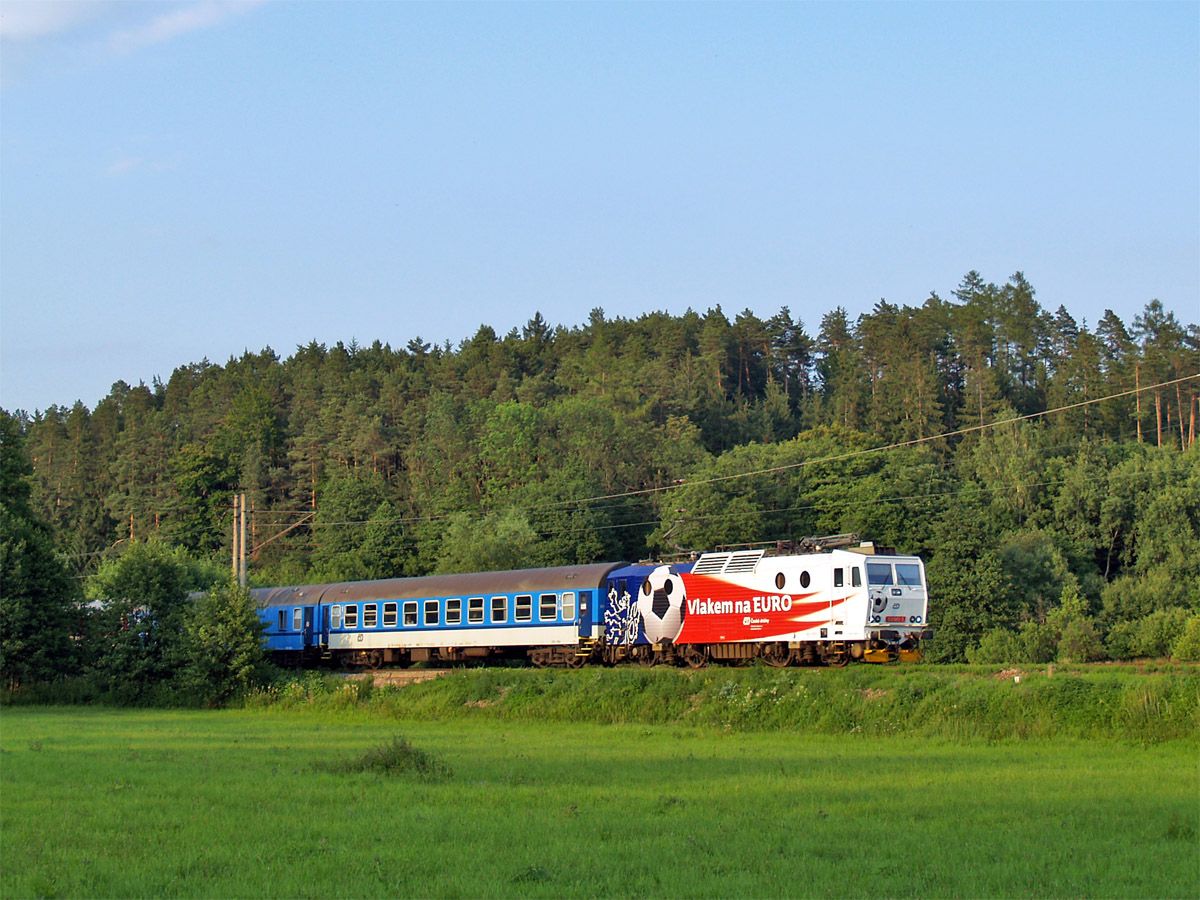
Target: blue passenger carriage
<point>553,616</point>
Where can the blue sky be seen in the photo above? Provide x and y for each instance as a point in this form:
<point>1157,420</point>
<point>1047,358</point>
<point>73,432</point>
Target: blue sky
<point>186,180</point>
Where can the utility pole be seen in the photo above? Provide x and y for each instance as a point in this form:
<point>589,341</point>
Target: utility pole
<point>242,544</point>
<point>234,543</point>
<point>238,560</point>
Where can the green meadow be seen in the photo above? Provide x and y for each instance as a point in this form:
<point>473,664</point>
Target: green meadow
<point>311,799</point>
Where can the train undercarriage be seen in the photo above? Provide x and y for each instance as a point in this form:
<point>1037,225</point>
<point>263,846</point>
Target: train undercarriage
<point>778,654</point>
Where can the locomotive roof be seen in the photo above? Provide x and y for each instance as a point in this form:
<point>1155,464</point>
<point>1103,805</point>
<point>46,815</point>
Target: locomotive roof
<point>518,581</point>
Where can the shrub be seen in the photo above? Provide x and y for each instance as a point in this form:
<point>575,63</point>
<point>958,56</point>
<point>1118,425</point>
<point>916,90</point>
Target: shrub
<point>1039,641</point>
<point>1080,642</point>
<point>1187,647</point>
<point>398,757</point>
<point>1121,642</point>
<point>222,646</point>
<point>1152,635</point>
<point>997,646</point>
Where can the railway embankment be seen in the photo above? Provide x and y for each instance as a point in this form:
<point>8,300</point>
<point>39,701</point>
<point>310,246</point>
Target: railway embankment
<point>1147,704</point>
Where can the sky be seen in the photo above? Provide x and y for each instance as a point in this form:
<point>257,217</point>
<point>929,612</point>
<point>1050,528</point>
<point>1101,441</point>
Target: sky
<point>188,180</point>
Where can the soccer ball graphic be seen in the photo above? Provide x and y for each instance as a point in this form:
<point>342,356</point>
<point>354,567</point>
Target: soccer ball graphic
<point>660,604</point>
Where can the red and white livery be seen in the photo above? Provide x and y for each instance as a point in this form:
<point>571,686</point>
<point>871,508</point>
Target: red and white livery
<point>819,607</point>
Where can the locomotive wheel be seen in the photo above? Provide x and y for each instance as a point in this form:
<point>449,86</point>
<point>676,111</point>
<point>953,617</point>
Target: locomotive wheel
<point>646,656</point>
<point>695,656</point>
<point>776,654</point>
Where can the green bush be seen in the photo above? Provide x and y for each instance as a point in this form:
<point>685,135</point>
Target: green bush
<point>1000,645</point>
<point>1040,642</point>
<point>1187,647</point>
<point>222,646</point>
<point>1080,641</point>
<point>1152,635</point>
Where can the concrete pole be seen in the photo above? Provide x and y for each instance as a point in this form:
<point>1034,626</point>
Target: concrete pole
<point>234,542</point>
<point>242,544</point>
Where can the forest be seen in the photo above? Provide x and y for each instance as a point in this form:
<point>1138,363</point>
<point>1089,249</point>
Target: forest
<point>1045,468</point>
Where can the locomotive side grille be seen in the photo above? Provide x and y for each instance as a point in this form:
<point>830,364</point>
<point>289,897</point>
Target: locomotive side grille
<point>743,561</point>
<point>710,564</point>
<point>737,563</point>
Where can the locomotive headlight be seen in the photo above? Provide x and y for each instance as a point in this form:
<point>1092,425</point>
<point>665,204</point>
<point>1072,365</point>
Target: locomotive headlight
<point>916,620</point>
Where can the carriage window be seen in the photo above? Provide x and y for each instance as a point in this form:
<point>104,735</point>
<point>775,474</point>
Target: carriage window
<point>431,612</point>
<point>856,577</point>
<point>839,577</point>
<point>568,606</point>
<point>297,620</point>
<point>335,617</point>
<point>879,573</point>
<point>282,620</point>
<point>499,609</point>
<point>410,612</point>
<point>524,612</point>
<point>453,612</point>
<point>908,574</point>
<point>548,608</point>
<point>389,615</point>
<point>351,616</point>
<point>475,610</point>
<point>370,615</point>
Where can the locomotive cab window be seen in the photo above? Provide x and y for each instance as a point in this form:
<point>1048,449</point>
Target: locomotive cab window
<point>370,615</point>
<point>475,610</point>
<point>879,573</point>
<point>351,616</point>
<point>568,606</point>
<point>908,574</point>
<point>454,612</point>
<point>282,620</point>
<point>335,617</point>
<point>499,610</point>
<point>431,612</point>
<point>297,620</point>
<point>856,577</point>
<point>389,615</point>
<point>839,577</point>
<point>524,610</point>
<point>410,612</point>
<point>548,608</point>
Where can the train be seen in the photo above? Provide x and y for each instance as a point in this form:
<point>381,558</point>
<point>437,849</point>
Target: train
<point>780,606</point>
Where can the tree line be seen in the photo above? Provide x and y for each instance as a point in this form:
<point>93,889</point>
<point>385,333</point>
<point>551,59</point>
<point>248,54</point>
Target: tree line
<point>1073,533</point>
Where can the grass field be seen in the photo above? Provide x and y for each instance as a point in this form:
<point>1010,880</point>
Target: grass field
<point>268,802</point>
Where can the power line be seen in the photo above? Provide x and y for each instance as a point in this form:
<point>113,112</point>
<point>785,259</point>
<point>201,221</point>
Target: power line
<point>893,446</point>
<point>771,470</point>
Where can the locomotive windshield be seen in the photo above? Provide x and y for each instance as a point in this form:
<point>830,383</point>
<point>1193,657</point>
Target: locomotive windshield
<point>908,574</point>
<point>879,573</point>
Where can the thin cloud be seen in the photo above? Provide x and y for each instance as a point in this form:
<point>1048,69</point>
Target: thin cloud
<point>124,166</point>
<point>29,20</point>
<point>170,25</point>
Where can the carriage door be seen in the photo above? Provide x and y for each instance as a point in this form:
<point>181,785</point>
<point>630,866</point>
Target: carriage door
<point>585,614</point>
<point>324,612</point>
<point>308,626</point>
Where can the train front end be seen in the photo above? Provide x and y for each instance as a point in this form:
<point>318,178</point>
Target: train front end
<point>898,608</point>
